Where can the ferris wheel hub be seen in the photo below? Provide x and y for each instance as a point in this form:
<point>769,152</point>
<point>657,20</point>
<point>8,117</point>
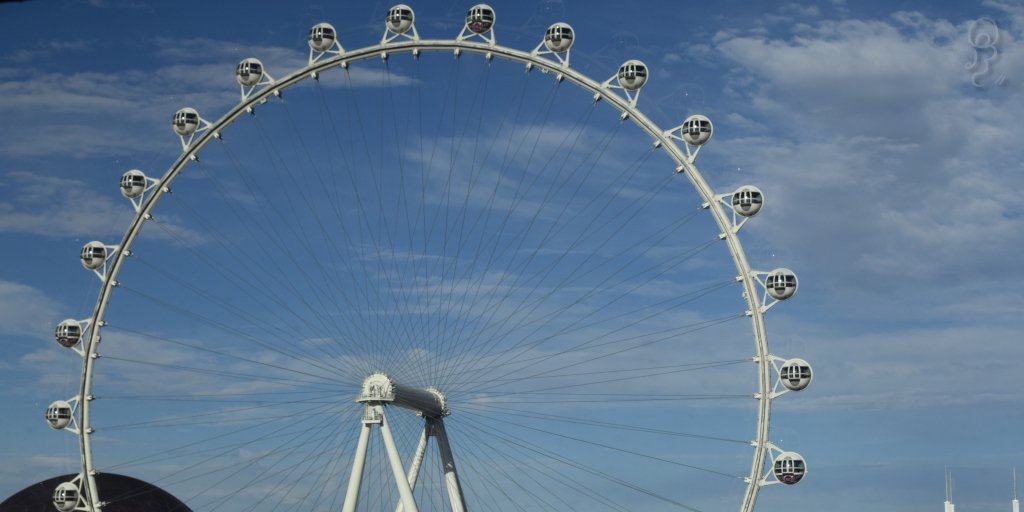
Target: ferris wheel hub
<point>379,388</point>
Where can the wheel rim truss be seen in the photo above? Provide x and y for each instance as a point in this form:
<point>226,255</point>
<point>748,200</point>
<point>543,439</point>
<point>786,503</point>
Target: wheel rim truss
<point>684,158</point>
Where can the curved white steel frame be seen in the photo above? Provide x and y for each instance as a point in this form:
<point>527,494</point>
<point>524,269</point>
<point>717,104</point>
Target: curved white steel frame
<point>662,139</point>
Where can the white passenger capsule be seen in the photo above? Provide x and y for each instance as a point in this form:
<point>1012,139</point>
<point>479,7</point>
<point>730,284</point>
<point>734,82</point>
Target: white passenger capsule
<point>632,75</point>
<point>68,333</point>
<point>781,283</point>
<point>747,200</point>
<point>559,38</point>
<point>789,468</point>
<point>133,183</point>
<point>400,19</point>
<point>697,130</point>
<point>93,255</point>
<point>249,72</point>
<point>58,415</point>
<point>185,122</point>
<point>65,497</point>
<point>480,18</point>
<point>796,374</point>
<point>322,37</point>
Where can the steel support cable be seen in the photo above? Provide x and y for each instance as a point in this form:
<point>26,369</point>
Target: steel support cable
<point>383,271</point>
<point>181,450</point>
<point>556,476</point>
<point>546,453</point>
<point>595,290</point>
<point>589,343</point>
<point>482,495</point>
<point>231,411</point>
<point>620,379</point>
<point>557,312</point>
<point>529,490</point>
<point>517,100</point>
<point>338,287</point>
<point>447,341</point>
<point>247,221</point>
<point>362,213</point>
<point>543,114</point>
<point>405,328</point>
<point>489,207</point>
<point>314,453</point>
<point>669,367</point>
<point>489,305</point>
<point>263,343</point>
<point>322,296</point>
<point>254,290</point>
<point>301,439</point>
<point>511,411</point>
<point>277,238</point>
<point>400,333</point>
<point>154,458</point>
<point>221,452</point>
<point>592,341</point>
<point>610,447</point>
<point>477,334</point>
<point>690,329</point>
<point>657,308</point>
<point>575,135</point>
<point>226,354</point>
<point>272,327</point>
<point>242,256</point>
<point>240,334</point>
<point>218,372</point>
<point>458,336</point>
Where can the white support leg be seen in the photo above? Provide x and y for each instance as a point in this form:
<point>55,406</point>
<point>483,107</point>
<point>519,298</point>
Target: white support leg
<point>451,477</point>
<point>417,459</point>
<point>354,481</point>
<point>404,490</point>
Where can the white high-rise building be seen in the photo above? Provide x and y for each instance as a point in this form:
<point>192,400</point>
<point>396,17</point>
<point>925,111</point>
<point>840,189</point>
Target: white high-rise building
<point>949,492</point>
<point>1015,502</point>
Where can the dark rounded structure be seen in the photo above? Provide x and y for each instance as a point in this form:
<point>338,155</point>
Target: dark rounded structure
<point>122,494</point>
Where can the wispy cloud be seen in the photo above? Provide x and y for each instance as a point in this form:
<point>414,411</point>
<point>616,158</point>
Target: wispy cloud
<point>26,311</point>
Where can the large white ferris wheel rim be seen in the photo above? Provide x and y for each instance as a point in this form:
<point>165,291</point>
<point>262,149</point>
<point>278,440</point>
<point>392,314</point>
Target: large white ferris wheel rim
<point>662,140</point>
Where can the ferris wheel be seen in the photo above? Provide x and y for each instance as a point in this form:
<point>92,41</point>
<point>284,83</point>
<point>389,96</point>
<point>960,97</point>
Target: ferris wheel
<point>432,274</point>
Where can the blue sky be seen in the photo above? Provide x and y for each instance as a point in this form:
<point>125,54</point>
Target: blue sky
<point>891,169</point>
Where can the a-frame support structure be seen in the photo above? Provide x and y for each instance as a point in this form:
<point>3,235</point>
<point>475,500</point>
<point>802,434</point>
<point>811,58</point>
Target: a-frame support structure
<point>378,392</point>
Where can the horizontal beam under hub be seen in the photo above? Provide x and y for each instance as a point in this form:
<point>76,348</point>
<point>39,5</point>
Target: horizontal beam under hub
<point>428,402</point>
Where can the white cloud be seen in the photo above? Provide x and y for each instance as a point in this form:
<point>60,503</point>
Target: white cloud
<point>57,207</point>
<point>45,205</point>
<point>26,311</point>
<point>880,147</point>
<point>86,113</point>
<point>890,188</point>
